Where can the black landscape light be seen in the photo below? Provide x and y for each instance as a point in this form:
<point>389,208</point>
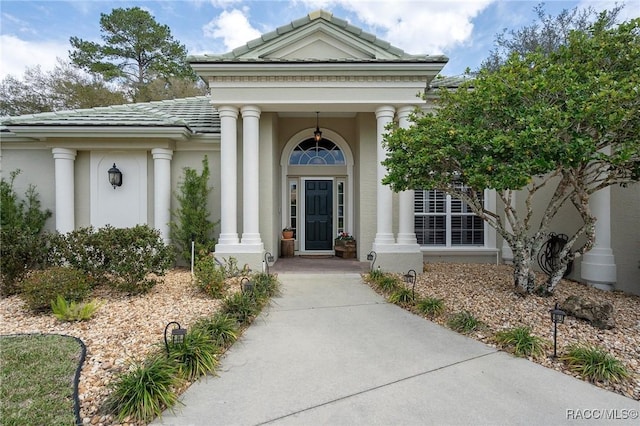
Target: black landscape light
<point>115,176</point>
<point>410,278</point>
<point>246,285</point>
<point>177,335</point>
<point>557,317</point>
<point>371,257</point>
<point>268,258</point>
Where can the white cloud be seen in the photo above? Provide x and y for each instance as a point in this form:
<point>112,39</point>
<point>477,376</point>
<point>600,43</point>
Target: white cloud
<point>17,54</point>
<point>232,27</point>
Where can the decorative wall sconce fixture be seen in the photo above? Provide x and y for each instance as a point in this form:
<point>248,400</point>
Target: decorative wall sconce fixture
<point>557,317</point>
<point>268,258</point>
<point>317,135</point>
<point>115,176</point>
<point>177,335</point>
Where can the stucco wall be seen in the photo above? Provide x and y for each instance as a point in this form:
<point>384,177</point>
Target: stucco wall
<point>625,236</point>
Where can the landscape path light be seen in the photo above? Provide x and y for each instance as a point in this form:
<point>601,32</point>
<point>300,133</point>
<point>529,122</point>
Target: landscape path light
<point>557,317</point>
<point>371,257</point>
<point>246,285</point>
<point>177,335</point>
<point>268,258</point>
<point>410,278</point>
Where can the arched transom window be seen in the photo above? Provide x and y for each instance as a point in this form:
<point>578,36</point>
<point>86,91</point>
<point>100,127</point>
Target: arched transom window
<point>310,152</point>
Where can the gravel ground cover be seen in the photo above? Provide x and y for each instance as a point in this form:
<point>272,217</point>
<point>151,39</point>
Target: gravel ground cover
<point>129,327</point>
<point>487,292</point>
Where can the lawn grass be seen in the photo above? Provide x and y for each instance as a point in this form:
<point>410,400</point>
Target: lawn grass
<point>36,379</point>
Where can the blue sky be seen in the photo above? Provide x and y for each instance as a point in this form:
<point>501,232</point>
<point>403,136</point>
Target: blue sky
<point>37,32</point>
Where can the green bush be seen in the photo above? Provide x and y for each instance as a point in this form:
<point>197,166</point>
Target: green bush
<point>464,322</point>
<point>22,243</point>
<point>196,356</point>
<point>388,283</point>
<point>241,306</point>
<point>145,391</point>
<point>430,306</point>
<point>72,311</point>
<point>521,342</point>
<point>221,328</point>
<point>41,287</point>
<point>595,364</point>
<point>208,276</point>
<point>401,296</point>
<point>266,286</point>
<point>121,257</point>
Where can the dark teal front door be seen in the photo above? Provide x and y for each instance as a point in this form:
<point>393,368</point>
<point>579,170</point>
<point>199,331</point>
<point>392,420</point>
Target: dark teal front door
<point>318,230</point>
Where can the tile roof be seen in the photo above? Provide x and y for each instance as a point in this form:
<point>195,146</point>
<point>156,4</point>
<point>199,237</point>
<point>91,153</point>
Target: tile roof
<point>450,82</point>
<point>196,114</point>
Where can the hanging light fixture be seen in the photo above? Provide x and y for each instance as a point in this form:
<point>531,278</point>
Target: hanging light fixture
<point>317,135</point>
<point>115,176</point>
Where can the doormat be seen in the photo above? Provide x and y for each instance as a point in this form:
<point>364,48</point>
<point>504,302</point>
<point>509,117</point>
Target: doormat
<point>316,256</point>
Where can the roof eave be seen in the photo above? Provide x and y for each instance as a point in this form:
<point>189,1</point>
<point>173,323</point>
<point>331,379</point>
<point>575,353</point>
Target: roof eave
<point>45,131</point>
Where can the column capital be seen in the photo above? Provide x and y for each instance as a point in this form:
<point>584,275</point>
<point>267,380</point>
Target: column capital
<point>162,154</point>
<point>385,111</point>
<point>64,153</point>
<point>250,111</point>
<point>227,111</point>
<point>405,111</point>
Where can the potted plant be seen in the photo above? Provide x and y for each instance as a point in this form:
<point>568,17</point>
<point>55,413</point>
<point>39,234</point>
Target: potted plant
<point>287,233</point>
<point>345,246</point>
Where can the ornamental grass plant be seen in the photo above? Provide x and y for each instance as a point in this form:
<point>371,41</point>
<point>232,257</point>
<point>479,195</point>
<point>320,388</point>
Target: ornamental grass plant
<point>594,364</point>
<point>521,342</point>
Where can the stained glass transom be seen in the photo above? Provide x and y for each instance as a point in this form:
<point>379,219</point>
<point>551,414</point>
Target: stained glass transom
<point>310,152</point>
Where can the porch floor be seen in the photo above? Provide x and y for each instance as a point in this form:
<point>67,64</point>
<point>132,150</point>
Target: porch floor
<point>325,264</point>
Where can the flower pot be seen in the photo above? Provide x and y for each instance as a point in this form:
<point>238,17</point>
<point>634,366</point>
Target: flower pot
<point>287,235</point>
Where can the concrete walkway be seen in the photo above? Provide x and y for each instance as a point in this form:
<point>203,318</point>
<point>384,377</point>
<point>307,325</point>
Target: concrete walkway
<point>331,351</point>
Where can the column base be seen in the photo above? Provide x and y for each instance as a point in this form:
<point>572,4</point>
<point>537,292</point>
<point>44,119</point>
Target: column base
<point>384,239</point>
<point>407,239</point>
<point>250,256</point>
<point>228,240</point>
<point>398,257</point>
<point>598,269</point>
<point>251,239</point>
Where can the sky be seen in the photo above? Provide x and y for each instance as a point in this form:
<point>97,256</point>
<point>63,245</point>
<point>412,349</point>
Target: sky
<point>36,33</point>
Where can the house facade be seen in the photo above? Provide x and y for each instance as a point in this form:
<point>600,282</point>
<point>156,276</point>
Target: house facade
<point>269,99</point>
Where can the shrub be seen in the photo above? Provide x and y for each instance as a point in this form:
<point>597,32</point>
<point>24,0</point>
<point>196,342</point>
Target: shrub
<point>145,391</point>
<point>430,306</point>
<point>375,275</point>
<point>122,257</point>
<point>521,341</point>
<point>208,276</point>
<point>41,287</point>
<point>196,356</point>
<point>221,328</point>
<point>22,244</point>
<point>402,296</point>
<point>595,364</point>
<point>388,283</point>
<point>72,311</point>
<point>266,286</point>
<point>241,306</point>
<point>464,322</point>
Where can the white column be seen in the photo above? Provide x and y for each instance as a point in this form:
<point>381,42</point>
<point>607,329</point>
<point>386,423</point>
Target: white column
<point>384,210</point>
<point>598,265</point>
<point>162,190</point>
<point>228,175</point>
<point>65,187</point>
<point>406,230</point>
<point>251,176</point>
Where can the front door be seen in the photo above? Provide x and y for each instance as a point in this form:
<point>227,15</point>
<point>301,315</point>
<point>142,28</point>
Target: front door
<point>318,233</point>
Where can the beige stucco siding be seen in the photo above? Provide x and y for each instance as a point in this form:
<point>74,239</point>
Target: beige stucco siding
<point>625,236</point>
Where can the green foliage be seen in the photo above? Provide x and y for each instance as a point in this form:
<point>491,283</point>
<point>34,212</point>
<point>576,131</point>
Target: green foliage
<point>241,306</point>
<point>122,257</point>
<point>72,311</point>
<point>430,306</point>
<point>521,342</point>
<point>266,286</point>
<point>36,379</point>
<point>464,322</point>
<point>388,283</point>
<point>40,287</point>
<point>192,216</point>
<point>566,119</point>
<point>136,51</point>
<point>196,356</point>
<point>145,391</point>
<point>221,328</point>
<point>22,244</point>
<point>231,268</point>
<point>401,295</point>
<point>375,275</point>
<point>595,364</point>
<point>209,277</point>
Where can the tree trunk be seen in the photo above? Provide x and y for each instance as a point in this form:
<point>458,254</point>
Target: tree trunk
<point>523,274</point>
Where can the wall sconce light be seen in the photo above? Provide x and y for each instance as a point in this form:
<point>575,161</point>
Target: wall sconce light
<point>317,135</point>
<point>268,258</point>
<point>177,335</point>
<point>410,278</point>
<point>371,257</point>
<point>557,317</point>
<point>115,176</point>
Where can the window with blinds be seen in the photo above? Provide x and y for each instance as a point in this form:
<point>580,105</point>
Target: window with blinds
<point>443,220</point>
